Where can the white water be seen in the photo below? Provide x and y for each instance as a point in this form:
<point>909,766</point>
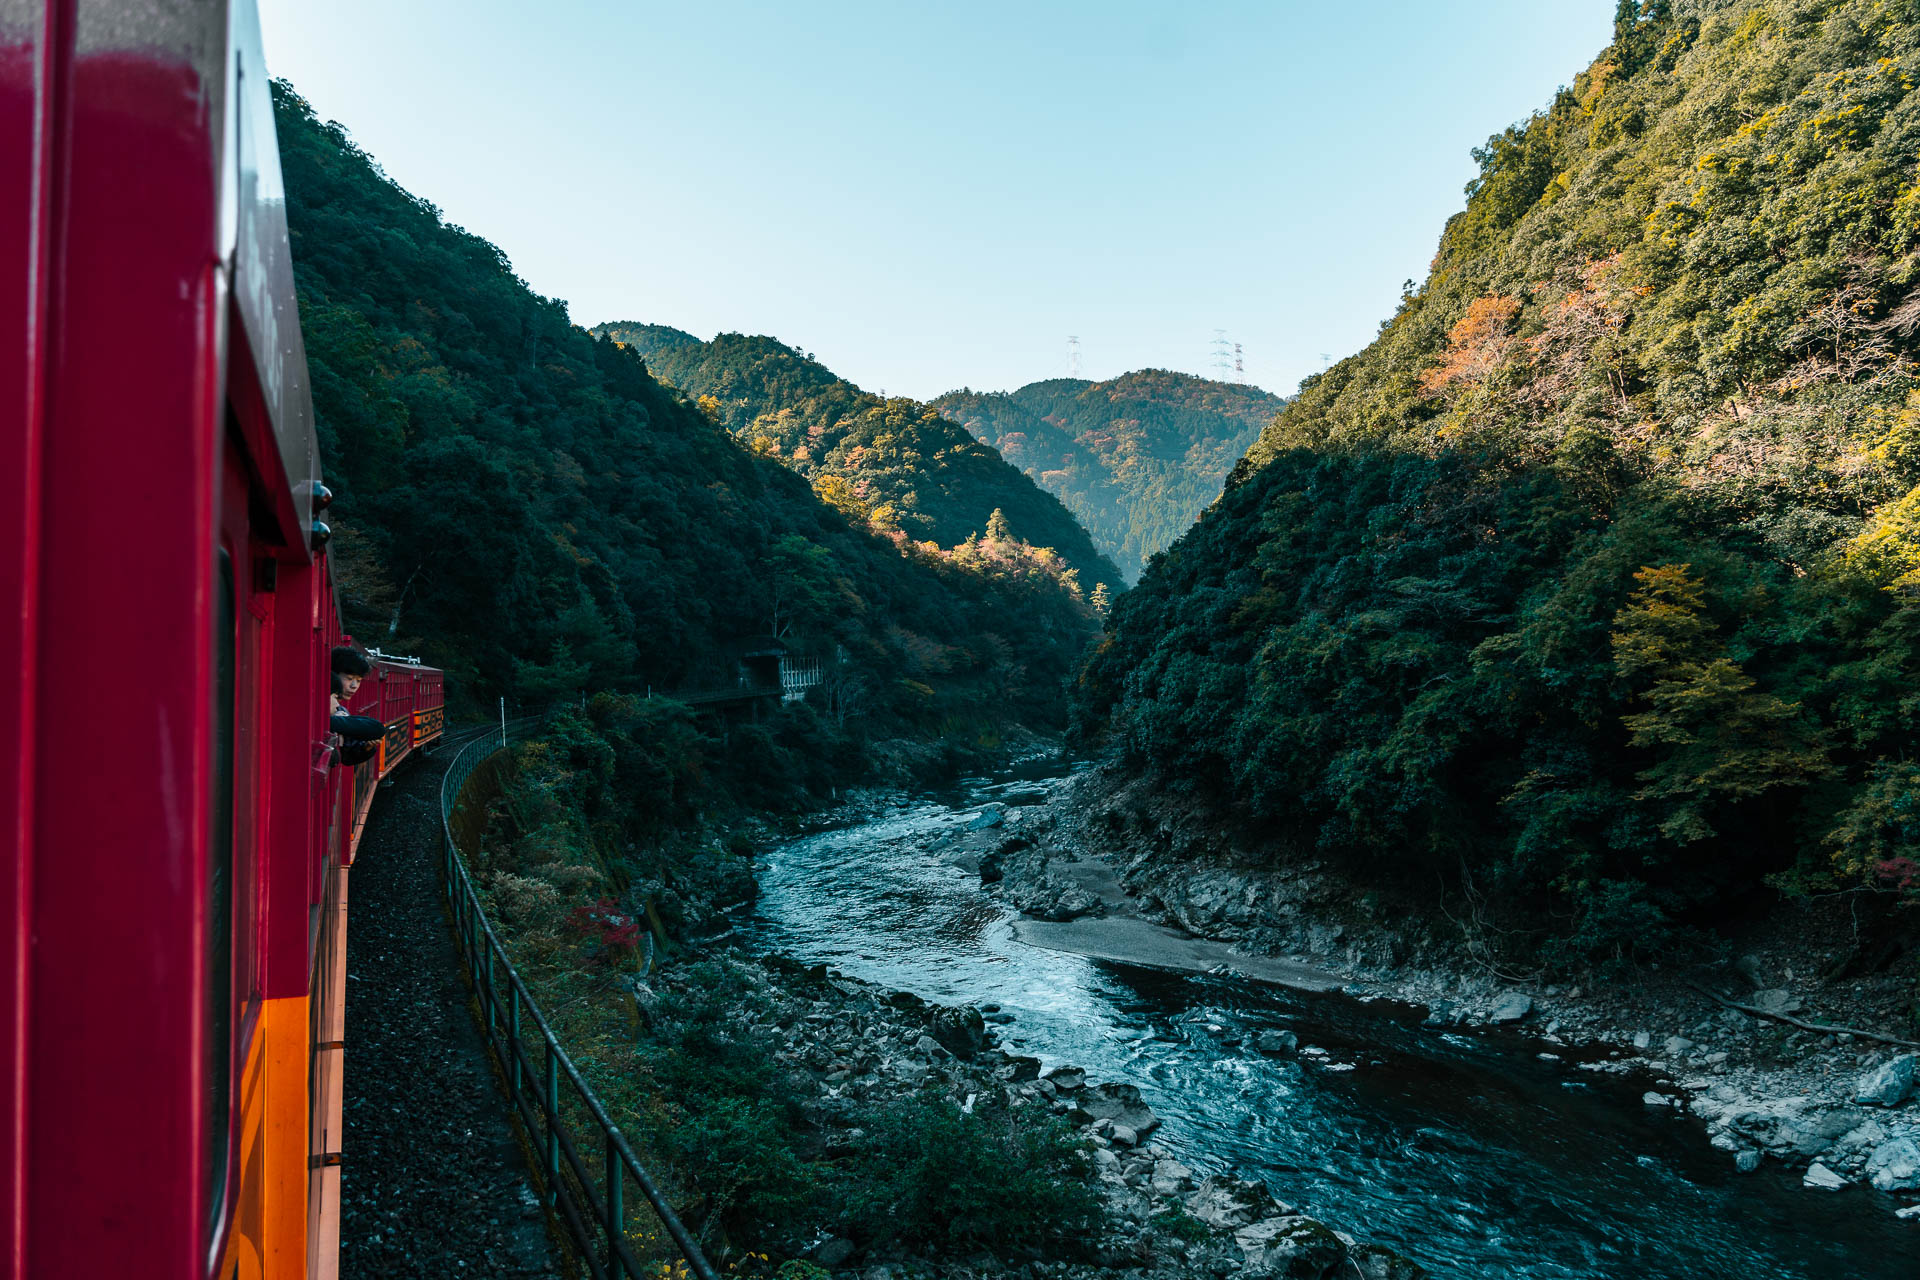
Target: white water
<point>1468,1153</point>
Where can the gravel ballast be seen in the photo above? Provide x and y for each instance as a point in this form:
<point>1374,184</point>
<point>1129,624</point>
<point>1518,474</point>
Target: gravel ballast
<point>433,1181</point>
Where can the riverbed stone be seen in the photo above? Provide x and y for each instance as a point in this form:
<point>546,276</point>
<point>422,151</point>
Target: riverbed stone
<point>1276,1042</point>
<point>1511,1007</point>
<point>1170,1177</point>
<point>1292,1246</point>
<point>1676,1046</point>
<point>961,1032</point>
<point>1229,1203</point>
<point>1888,1084</point>
<point>990,817</point>
<point>1777,1000</point>
<point>1895,1166</point>
<point>1821,1178</point>
<point>1747,1161</point>
<point>1795,1126</point>
<point>1120,1103</point>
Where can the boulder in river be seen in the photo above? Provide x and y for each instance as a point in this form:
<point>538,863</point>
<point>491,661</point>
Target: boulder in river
<point>1895,1166</point>
<point>1057,897</point>
<point>1795,1126</point>
<point>961,1032</point>
<point>1821,1178</point>
<point>1019,1067</point>
<point>1170,1177</point>
<point>1511,1007</point>
<point>1120,1103</point>
<point>1229,1203</point>
<point>990,817</point>
<point>1276,1042</point>
<point>1888,1084</point>
<point>1291,1246</point>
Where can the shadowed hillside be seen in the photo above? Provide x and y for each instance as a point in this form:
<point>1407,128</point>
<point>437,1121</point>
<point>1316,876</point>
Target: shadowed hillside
<point>1595,580</point>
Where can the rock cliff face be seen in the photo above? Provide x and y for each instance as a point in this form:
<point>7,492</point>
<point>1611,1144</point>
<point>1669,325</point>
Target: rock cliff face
<point>1190,868</point>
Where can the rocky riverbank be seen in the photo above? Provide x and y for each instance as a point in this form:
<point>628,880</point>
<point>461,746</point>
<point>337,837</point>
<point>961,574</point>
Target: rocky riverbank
<point>1114,867</point>
<point>855,1049</point>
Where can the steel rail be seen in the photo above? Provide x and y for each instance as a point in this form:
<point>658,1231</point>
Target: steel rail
<point>595,1219</point>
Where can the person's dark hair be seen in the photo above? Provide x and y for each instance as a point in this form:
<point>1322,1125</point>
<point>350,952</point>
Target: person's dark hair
<point>349,661</point>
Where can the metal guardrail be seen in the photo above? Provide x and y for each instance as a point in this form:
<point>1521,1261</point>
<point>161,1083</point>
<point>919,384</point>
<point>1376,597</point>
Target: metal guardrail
<point>533,1065</point>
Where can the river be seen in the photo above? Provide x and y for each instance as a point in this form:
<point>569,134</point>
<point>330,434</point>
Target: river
<point>1468,1152</point>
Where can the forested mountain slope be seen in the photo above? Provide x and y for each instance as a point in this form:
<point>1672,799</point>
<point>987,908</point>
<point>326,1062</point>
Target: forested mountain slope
<point>523,504</point>
<point>1136,457</point>
<point>894,463</point>
<point>1596,578</point>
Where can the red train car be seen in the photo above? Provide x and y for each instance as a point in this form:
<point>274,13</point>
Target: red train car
<point>176,844</point>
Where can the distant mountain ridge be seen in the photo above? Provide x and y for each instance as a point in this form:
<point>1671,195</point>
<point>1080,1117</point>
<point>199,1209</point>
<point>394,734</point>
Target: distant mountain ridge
<point>532,508</point>
<point>1137,458</point>
<point>894,462</point>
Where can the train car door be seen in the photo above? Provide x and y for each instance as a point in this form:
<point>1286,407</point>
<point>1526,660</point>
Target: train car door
<point>243,583</point>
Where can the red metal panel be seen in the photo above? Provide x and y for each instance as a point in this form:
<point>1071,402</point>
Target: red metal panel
<point>33,64</point>
<point>118,903</point>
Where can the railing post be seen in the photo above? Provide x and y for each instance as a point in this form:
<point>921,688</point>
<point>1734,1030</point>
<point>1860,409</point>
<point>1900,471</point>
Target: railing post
<point>513,1035</point>
<point>550,1107</point>
<point>616,1213</point>
<point>493,1004</point>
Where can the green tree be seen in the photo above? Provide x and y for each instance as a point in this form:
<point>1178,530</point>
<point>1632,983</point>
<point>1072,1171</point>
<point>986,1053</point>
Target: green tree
<point>1715,737</point>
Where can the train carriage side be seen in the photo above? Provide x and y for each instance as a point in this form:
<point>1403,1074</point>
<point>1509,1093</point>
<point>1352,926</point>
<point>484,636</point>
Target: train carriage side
<point>177,840</point>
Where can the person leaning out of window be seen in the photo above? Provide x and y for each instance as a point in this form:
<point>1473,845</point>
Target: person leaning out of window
<point>360,735</point>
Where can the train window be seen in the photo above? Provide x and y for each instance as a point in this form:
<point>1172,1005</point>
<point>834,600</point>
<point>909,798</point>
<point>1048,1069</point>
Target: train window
<point>219,1099</point>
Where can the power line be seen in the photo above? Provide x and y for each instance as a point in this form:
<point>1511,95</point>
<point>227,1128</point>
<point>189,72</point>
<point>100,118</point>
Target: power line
<point>1073,355</point>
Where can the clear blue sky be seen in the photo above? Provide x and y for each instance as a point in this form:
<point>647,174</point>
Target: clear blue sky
<point>931,196</point>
